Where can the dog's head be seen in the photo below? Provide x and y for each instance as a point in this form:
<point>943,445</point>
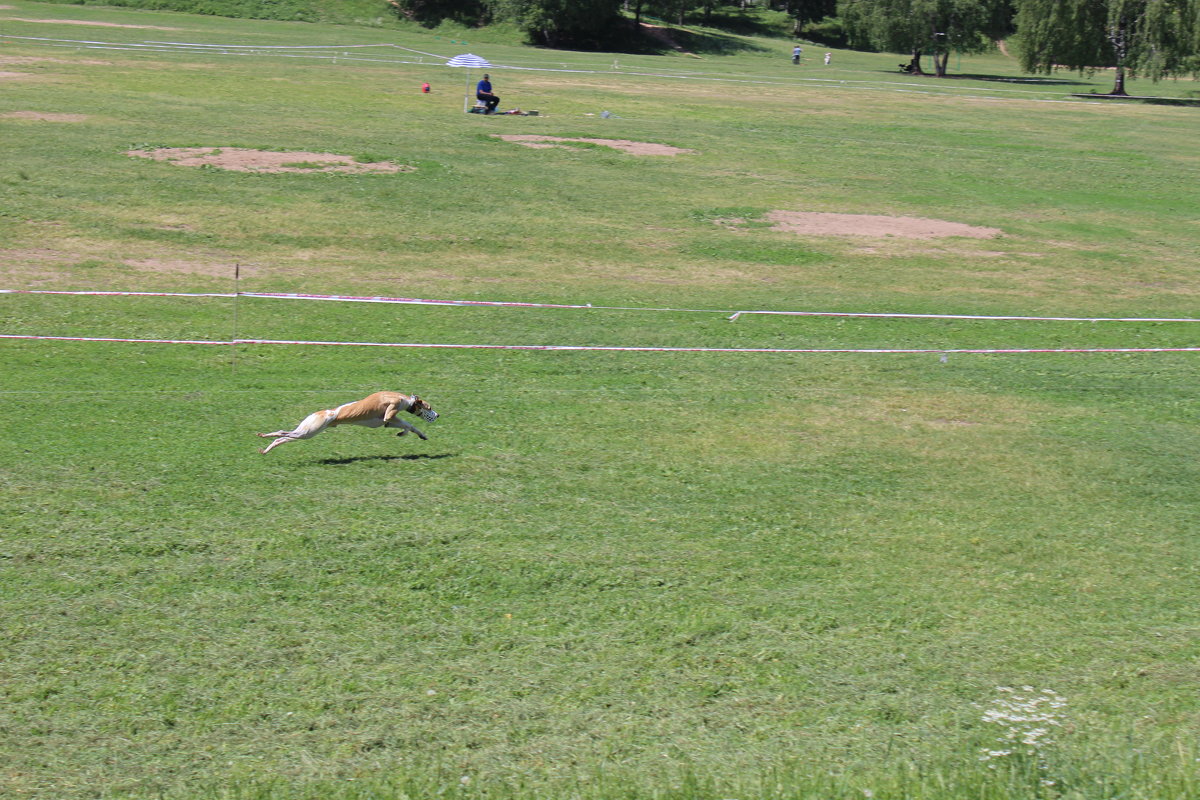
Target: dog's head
<point>422,409</point>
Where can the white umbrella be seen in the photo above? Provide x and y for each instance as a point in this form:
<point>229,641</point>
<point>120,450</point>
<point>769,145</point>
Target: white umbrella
<point>468,60</point>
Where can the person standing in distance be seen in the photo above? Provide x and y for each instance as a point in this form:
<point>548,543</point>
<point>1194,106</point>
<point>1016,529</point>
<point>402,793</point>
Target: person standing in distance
<point>796,51</point>
<point>483,91</point>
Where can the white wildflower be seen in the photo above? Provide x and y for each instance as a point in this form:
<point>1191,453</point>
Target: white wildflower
<point>1027,718</point>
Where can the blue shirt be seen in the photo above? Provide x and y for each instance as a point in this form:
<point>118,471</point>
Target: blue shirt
<point>484,87</point>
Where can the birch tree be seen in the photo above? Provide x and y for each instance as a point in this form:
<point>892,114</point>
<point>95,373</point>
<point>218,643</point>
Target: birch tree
<point>1153,38</point>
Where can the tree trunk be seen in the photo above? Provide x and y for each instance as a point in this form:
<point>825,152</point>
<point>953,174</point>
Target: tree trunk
<point>1119,82</point>
<point>914,66</point>
<point>1118,36</point>
<point>940,62</point>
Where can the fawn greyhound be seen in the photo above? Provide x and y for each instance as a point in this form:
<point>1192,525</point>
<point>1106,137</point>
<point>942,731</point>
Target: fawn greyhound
<point>378,410</point>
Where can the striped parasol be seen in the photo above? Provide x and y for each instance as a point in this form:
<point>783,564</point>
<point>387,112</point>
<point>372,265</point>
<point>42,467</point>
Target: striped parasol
<point>468,60</point>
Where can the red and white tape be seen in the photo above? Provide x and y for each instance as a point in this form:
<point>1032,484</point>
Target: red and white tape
<point>111,339</point>
<point>895,315</point>
<point>99,293</point>
<point>588,306</point>
<point>623,349</point>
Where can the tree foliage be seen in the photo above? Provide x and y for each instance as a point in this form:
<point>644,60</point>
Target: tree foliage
<point>919,27</point>
<point>1154,38</point>
<point>561,23</point>
<point>432,12</point>
<point>673,10</point>
<point>803,11</point>
<point>556,23</point>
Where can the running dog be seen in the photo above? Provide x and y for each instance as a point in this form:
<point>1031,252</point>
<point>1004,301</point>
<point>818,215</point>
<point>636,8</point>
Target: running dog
<point>374,411</point>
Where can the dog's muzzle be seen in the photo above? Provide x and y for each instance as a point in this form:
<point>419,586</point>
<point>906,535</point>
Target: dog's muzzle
<point>428,414</point>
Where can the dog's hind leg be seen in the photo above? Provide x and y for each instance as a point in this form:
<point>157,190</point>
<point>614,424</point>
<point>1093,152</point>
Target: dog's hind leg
<point>313,424</point>
<point>277,442</point>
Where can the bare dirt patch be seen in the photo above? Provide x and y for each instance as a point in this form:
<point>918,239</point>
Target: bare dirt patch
<point>180,266</point>
<point>624,145</point>
<point>826,224</point>
<point>244,160</point>
<point>25,60</point>
<point>44,116</point>
<point>12,76</point>
<point>871,250</point>
<point>34,267</point>
<point>93,24</point>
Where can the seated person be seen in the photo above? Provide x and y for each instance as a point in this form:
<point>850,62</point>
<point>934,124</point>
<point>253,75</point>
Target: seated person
<point>484,92</point>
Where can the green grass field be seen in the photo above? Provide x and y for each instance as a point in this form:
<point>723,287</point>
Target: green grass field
<point>607,574</point>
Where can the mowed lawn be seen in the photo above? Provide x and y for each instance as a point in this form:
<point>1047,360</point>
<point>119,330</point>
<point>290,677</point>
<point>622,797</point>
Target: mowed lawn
<point>607,573</point>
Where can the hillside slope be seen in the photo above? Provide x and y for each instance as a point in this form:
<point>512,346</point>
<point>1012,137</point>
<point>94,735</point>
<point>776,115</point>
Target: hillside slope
<point>352,12</point>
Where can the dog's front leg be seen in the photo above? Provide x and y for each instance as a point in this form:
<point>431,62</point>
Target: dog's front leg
<point>407,426</point>
<point>389,413</point>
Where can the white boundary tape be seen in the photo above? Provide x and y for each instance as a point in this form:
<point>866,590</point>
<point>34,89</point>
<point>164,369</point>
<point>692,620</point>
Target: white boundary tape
<point>512,304</point>
<point>100,293</point>
<point>892,315</point>
<point>603,348</point>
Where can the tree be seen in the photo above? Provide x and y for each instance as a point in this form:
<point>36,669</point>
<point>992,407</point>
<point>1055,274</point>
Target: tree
<point>432,12</point>
<point>556,23</point>
<point>805,11</point>
<point>636,7</point>
<point>560,23</point>
<point>1155,38</point>
<point>918,27</point>
<point>673,10</point>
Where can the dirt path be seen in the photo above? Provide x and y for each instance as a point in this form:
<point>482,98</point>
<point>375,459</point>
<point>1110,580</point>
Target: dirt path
<point>624,145</point>
<point>826,224</point>
<point>243,160</point>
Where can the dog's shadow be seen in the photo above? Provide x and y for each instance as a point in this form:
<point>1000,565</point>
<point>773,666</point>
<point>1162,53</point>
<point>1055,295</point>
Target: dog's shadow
<point>406,457</point>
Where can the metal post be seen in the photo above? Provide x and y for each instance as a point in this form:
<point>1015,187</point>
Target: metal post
<point>237,292</point>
